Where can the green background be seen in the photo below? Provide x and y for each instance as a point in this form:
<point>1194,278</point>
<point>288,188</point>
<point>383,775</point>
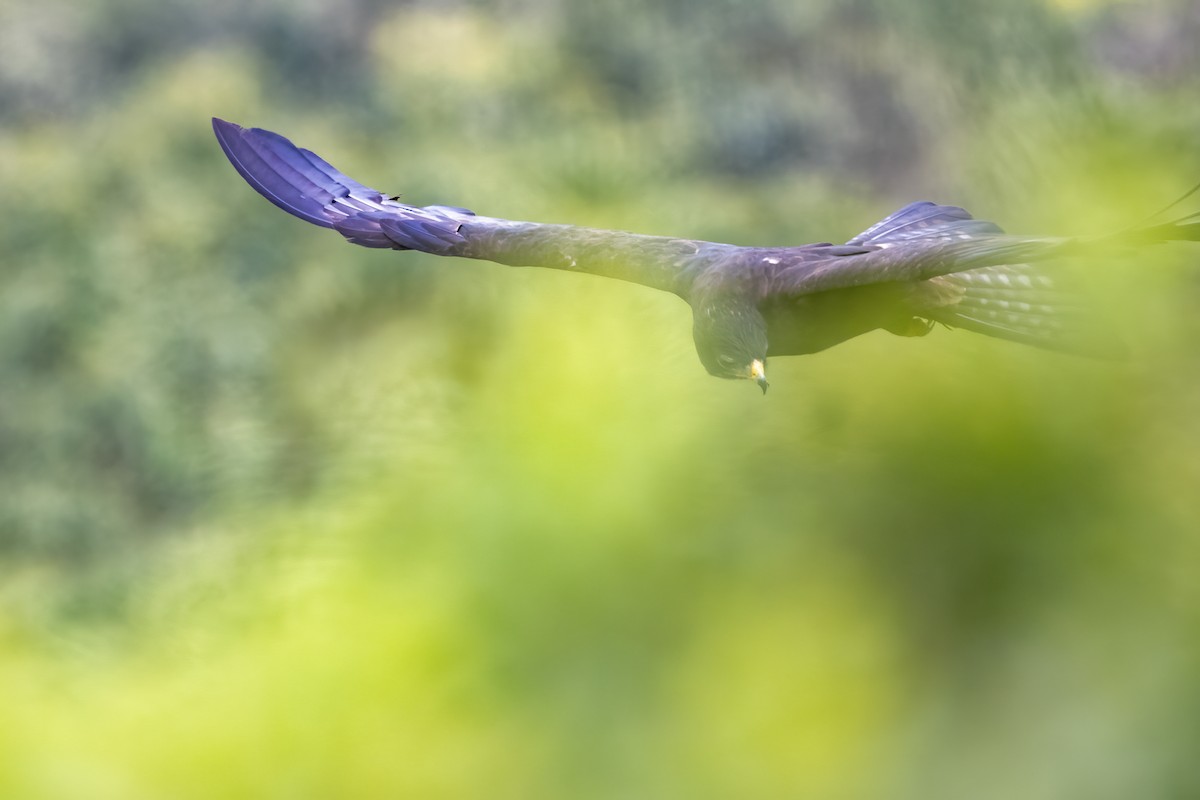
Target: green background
<point>283,518</point>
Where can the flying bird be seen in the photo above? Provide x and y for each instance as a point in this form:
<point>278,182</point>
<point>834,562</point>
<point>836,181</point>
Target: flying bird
<point>924,264</point>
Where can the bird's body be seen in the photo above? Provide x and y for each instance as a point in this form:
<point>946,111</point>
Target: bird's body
<point>925,263</point>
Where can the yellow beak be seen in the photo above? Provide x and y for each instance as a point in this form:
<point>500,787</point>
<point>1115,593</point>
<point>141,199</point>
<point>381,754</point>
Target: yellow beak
<point>758,374</point>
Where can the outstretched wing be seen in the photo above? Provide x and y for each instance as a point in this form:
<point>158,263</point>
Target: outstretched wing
<point>1017,302</point>
<point>920,241</point>
<point>981,279</point>
<point>305,185</point>
<point>965,273</point>
<point>923,218</point>
<point>924,240</point>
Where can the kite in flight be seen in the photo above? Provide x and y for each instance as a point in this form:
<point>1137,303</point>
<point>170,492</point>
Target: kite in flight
<point>924,264</point>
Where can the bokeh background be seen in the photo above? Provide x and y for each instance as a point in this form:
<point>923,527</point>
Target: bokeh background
<point>284,518</point>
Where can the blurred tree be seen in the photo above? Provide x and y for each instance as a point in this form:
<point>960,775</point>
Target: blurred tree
<point>347,509</point>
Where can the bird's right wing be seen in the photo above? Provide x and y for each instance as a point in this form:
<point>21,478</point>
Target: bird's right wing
<point>305,185</point>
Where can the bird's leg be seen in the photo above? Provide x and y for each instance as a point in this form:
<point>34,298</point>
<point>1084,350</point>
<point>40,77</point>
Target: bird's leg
<point>913,326</point>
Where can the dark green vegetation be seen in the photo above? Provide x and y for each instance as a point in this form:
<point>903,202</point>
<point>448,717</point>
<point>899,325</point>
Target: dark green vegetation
<point>284,517</point>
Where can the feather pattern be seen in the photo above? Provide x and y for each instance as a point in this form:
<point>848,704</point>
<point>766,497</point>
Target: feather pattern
<point>924,219</point>
<point>1022,303</point>
<point>303,184</point>
<point>1017,302</point>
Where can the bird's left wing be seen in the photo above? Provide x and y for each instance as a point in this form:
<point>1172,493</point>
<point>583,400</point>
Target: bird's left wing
<point>305,185</point>
<point>920,241</point>
<point>924,240</point>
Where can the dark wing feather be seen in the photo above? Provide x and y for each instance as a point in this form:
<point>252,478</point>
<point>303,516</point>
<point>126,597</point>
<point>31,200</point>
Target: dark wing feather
<point>924,240</point>
<point>303,184</point>
<point>968,274</point>
<point>988,290</point>
<point>920,241</point>
<point>914,259</point>
<point>921,219</point>
<point>296,180</point>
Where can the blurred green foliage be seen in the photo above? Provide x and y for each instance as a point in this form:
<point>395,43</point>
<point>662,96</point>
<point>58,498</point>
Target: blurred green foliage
<point>285,518</point>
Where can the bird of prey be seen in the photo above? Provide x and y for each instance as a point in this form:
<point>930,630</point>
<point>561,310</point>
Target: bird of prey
<point>924,264</point>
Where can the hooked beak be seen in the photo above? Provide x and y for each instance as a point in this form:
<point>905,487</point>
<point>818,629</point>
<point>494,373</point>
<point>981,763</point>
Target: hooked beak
<point>758,374</point>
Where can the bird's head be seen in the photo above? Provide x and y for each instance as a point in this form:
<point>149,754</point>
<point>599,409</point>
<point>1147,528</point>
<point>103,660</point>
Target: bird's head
<point>732,342</point>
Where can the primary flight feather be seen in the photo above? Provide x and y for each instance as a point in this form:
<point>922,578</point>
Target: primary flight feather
<point>925,263</point>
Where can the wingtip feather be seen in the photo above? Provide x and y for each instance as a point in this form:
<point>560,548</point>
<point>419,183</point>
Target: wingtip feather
<point>305,185</point>
<point>248,149</point>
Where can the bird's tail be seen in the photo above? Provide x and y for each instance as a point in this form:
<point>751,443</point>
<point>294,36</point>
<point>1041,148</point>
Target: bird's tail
<point>1022,303</point>
<point>305,185</point>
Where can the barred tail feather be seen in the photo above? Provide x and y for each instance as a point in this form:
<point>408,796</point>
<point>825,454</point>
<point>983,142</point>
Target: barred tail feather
<point>1022,304</point>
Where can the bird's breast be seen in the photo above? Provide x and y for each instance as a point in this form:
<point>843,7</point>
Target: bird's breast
<point>814,322</point>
